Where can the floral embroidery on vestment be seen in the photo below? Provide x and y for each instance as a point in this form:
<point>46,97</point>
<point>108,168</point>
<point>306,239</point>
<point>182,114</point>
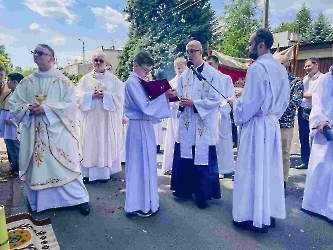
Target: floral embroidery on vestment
<point>39,145</point>
<point>64,154</point>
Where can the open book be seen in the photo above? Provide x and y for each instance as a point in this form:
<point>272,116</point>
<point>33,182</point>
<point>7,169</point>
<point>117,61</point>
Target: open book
<point>156,88</point>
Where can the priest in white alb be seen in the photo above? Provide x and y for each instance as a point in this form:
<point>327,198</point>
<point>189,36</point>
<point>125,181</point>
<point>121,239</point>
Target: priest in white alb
<point>195,168</point>
<point>141,161</point>
<point>224,146</point>
<point>169,144</point>
<point>318,193</point>
<point>45,104</point>
<point>258,195</point>
<point>100,96</point>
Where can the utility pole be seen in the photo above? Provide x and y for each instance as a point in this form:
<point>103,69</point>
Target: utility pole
<point>265,17</point>
<point>84,59</point>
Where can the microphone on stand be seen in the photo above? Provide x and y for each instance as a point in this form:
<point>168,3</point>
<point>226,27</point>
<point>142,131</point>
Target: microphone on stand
<point>190,65</point>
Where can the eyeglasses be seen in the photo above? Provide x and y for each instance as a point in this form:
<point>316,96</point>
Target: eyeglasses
<point>192,51</point>
<point>98,60</point>
<point>39,53</point>
<point>146,70</point>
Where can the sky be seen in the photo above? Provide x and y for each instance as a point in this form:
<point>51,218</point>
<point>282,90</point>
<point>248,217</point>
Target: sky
<point>59,23</point>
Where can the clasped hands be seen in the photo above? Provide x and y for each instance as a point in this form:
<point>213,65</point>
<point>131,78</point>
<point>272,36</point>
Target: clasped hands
<point>36,109</point>
<point>186,102</point>
<point>321,126</point>
<point>99,94</point>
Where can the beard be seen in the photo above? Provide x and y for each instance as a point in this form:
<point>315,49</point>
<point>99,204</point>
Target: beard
<point>253,55</point>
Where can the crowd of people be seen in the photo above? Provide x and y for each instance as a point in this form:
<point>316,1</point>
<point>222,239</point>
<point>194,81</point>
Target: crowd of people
<point>61,136</point>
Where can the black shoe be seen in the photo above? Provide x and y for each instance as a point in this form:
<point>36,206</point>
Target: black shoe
<point>85,180</point>
<point>142,214</point>
<point>85,208</point>
<point>103,181</point>
<point>273,223</point>
<point>168,172</point>
<point>202,204</point>
<point>183,196</point>
<point>248,225</point>
<point>302,166</point>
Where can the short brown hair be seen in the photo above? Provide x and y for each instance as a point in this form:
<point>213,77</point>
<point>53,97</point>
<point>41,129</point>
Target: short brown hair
<point>46,47</point>
<point>2,68</point>
<point>143,57</point>
<point>312,60</point>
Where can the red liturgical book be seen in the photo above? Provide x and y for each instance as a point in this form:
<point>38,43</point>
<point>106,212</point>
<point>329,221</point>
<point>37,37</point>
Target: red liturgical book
<point>157,88</point>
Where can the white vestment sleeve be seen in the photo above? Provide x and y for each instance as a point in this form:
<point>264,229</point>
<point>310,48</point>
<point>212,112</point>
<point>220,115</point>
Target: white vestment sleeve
<point>49,117</point>
<point>27,118</point>
<point>87,102</point>
<point>108,103</point>
<point>317,115</point>
<point>13,119</point>
<point>252,98</point>
<point>225,107</point>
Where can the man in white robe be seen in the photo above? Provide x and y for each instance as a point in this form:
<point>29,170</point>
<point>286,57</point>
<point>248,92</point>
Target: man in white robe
<point>180,67</point>
<point>318,193</point>
<point>195,168</point>
<point>141,161</point>
<point>100,96</point>
<point>258,191</point>
<point>49,151</point>
<point>224,146</point>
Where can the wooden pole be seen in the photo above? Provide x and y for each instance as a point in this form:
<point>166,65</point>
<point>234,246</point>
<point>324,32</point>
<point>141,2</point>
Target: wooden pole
<point>265,17</point>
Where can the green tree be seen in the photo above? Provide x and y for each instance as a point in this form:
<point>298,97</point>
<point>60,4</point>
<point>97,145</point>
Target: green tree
<point>240,20</point>
<point>18,70</point>
<point>5,60</point>
<point>303,19</point>
<point>320,30</point>
<point>28,71</point>
<point>164,28</point>
<point>287,26</point>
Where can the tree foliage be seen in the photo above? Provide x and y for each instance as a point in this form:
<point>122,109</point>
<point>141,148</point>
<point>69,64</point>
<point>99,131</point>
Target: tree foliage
<point>319,31</point>
<point>5,60</point>
<point>239,20</point>
<point>303,19</point>
<point>287,26</point>
<point>164,27</point>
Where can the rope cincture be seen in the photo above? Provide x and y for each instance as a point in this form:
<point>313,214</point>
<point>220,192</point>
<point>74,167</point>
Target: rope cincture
<point>2,244</point>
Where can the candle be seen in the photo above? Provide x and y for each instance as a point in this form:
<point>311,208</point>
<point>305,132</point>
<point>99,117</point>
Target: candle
<point>4,245</point>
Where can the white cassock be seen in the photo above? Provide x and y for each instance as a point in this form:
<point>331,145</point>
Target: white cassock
<point>101,122</point>
<point>158,129</point>
<point>49,150</point>
<point>258,189</point>
<point>318,193</point>
<point>170,138</point>
<point>224,145</point>
<point>7,131</point>
<point>141,160</point>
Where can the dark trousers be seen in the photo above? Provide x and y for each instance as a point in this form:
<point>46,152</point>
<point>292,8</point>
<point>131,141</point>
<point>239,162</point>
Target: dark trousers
<point>234,130</point>
<point>13,147</point>
<point>304,131</point>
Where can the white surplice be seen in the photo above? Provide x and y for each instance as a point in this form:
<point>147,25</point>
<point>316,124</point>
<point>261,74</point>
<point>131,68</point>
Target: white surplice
<point>198,129</point>
<point>101,124</point>
<point>7,131</point>
<point>158,129</point>
<point>141,159</point>
<point>224,146</point>
<point>258,191</point>
<point>318,193</point>
<point>170,138</point>
<point>49,150</point>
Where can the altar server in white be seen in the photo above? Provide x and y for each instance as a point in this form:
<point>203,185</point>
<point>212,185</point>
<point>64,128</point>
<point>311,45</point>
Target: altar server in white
<point>195,169</point>
<point>258,191</point>
<point>141,161</point>
<point>49,153</point>
<point>101,98</point>
<point>169,145</point>
<point>224,146</point>
<point>318,193</point>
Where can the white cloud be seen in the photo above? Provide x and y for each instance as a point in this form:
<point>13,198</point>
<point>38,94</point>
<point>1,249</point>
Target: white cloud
<point>37,27</point>
<point>329,12</point>
<point>58,40</point>
<point>297,6</point>
<point>110,19</point>
<point>53,8</point>
<point>2,6</point>
<point>6,39</point>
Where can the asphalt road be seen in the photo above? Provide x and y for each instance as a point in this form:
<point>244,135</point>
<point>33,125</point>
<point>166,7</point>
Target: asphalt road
<point>180,224</point>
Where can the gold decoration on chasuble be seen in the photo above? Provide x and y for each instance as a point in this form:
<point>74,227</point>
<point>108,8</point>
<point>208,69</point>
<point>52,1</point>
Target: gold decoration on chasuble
<point>100,87</point>
<point>27,79</point>
<point>63,81</point>
<point>39,145</point>
<point>48,181</point>
<point>64,154</point>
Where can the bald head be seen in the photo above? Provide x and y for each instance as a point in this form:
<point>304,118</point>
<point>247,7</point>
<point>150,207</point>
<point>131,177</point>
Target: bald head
<point>194,52</point>
<point>99,61</point>
<point>284,60</point>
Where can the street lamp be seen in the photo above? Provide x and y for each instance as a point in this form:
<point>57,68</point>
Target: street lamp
<point>84,61</point>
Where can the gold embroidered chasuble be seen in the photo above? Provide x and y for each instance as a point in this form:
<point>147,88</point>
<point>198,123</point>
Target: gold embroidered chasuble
<point>49,150</point>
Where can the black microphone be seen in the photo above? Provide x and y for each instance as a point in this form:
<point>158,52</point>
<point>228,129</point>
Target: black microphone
<point>190,65</point>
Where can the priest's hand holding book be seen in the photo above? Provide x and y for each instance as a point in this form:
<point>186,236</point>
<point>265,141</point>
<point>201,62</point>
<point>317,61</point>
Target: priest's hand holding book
<point>170,93</point>
<point>186,102</point>
<point>321,126</point>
